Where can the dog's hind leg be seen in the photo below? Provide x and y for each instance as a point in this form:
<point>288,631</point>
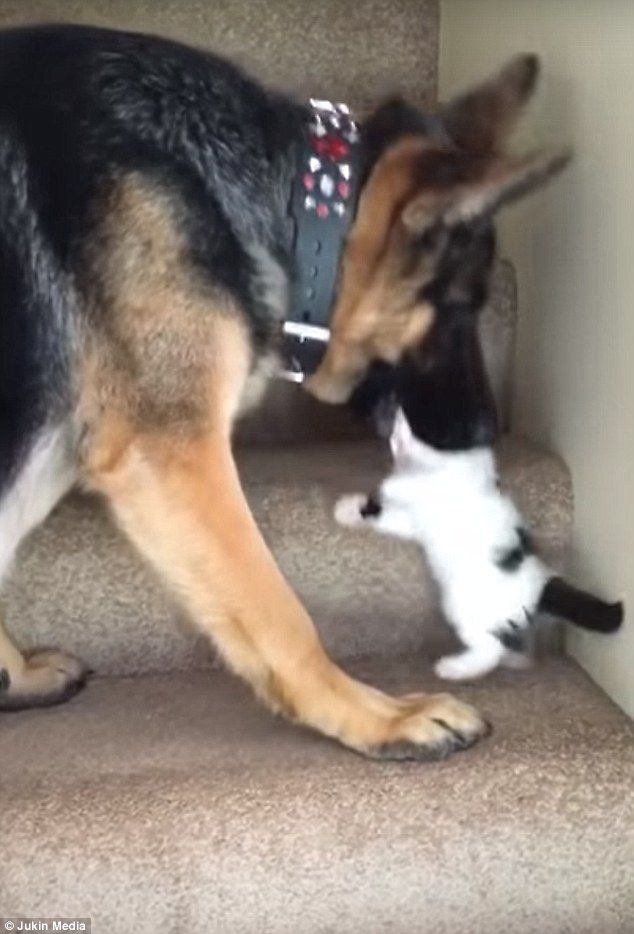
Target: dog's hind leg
<point>41,677</point>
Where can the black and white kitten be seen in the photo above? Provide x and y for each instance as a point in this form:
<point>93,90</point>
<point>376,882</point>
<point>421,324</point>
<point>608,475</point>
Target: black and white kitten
<point>491,582</point>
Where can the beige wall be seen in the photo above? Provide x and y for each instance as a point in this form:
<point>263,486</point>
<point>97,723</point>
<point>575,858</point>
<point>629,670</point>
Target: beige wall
<point>573,247</point>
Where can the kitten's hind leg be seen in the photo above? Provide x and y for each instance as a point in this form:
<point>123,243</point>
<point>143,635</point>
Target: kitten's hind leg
<point>516,661</point>
<point>475,662</point>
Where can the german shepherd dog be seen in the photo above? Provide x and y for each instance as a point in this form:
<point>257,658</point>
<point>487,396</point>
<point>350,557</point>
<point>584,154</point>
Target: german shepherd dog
<point>145,264</point>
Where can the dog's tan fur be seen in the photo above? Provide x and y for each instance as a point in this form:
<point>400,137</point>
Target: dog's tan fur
<point>377,314</point>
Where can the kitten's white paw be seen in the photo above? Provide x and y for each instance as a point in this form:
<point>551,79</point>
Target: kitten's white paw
<point>461,667</point>
<point>348,509</point>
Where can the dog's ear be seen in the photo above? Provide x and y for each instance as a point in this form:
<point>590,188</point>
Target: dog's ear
<point>505,182</point>
<point>478,187</point>
<point>480,120</point>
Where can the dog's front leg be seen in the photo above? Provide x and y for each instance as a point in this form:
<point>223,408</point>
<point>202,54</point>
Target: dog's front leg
<point>181,503</point>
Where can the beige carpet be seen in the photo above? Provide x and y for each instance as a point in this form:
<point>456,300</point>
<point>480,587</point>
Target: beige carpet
<point>173,803</point>
<point>79,586</point>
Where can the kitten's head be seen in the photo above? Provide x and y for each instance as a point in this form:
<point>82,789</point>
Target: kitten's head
<point>417,459</point>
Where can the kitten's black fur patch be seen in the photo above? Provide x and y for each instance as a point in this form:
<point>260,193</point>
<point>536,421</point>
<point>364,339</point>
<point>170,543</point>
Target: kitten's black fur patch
<point>375,395</point>
<point>372,506</point>
<point>512,559</point>
<point>512,639</point>
<point>441,384</point>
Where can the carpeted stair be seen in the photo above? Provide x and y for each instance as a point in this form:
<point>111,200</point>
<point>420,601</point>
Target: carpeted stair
<point>164,799</point>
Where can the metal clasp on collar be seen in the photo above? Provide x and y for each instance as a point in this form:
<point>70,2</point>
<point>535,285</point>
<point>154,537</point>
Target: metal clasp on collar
<point>301,333</point>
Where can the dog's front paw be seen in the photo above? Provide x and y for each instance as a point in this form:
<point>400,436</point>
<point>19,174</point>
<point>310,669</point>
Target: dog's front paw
<point>349,509</point>
<point>430,727</point>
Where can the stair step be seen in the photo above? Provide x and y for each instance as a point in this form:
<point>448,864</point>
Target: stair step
<point>288,414</point>
<point>310,54</point>
<point>79,586</point>
<point>174,802</point>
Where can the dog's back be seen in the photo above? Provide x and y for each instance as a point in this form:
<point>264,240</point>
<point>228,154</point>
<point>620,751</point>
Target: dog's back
<point>82,112</point>
<point>79,108</point>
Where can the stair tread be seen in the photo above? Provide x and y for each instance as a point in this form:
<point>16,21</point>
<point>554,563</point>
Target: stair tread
<point>145,797</point>
<point>78,585</point>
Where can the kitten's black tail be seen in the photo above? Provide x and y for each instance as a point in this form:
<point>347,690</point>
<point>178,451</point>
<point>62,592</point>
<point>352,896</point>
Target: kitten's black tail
<point>581,608</point>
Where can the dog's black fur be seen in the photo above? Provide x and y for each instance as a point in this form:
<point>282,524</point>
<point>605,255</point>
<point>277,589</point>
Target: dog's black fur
<point>80,106</point>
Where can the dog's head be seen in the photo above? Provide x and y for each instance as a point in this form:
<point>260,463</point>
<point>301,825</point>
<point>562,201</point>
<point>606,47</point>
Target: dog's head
<point>415,267</point>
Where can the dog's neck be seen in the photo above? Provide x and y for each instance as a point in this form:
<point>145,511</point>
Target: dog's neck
<point>322,205</point>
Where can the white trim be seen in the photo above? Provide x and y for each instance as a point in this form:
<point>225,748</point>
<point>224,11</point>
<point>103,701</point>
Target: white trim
<point>47,474</point>
<point>304,331</point>
<point>293,376</point>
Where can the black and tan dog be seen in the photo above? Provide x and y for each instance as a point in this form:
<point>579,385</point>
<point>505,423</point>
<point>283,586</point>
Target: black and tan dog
<point>144,268</point>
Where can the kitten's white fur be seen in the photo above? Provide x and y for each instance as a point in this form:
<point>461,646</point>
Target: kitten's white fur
<point>451,504</point>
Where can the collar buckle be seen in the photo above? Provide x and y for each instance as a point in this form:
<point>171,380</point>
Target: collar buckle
<point>304,345</point>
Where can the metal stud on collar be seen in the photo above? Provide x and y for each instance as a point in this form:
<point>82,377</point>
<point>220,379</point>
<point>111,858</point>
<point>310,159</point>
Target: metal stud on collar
<point>332,132</point>
<point>321,207</point>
